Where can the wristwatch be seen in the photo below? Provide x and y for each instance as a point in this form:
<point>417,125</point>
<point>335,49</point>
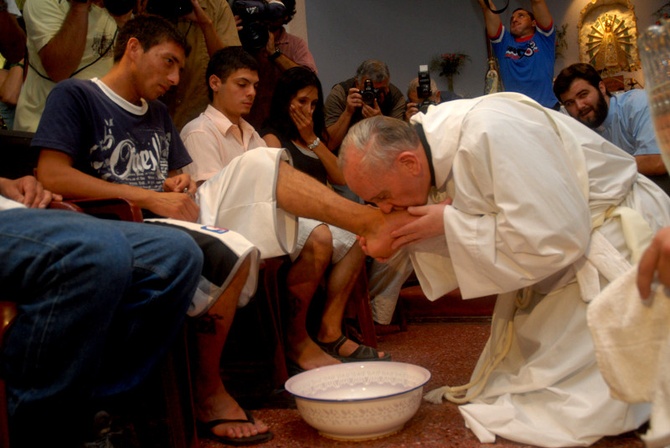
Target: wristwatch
<point>312,146</point>
<point>274,55</point>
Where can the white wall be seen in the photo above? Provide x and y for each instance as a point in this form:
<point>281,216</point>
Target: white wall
<point>407,33</point>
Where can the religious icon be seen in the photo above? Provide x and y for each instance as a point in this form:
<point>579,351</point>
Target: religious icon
<point>608,37</point>
<point>492,82</point>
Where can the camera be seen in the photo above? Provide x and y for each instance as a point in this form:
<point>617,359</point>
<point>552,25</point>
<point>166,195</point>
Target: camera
<point>423,90</point>
<point>256,15</point>
<point>369,93</point>
<point>170,9</point>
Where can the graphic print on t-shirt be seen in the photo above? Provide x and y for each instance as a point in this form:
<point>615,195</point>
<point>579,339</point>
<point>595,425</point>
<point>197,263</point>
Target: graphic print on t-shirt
<point>520,53</point>
<point>137,157</point>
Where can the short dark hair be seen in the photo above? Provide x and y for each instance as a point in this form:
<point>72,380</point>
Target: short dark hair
<point>150,30</point>
<point>572,72</point>
<point>530,13</point>
<point>227,60</point>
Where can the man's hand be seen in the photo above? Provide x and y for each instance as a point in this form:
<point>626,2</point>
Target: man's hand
<point>429,223</point>
<point>378,241</point>
<point>655,260</point>
<point>371,111</point>
<point>412,109</point>
<point>180,183</point>
<point>270,46</point>
<point>354,100</point>
<point>28,191</point>
<point>174,205</point>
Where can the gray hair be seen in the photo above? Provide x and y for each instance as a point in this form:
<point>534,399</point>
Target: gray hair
<point>379,140</point>
<point>372,69</point>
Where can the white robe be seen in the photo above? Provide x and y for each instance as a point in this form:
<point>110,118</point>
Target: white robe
<point>526,184</point>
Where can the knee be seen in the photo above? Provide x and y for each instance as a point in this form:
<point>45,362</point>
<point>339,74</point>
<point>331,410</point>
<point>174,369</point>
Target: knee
<point>319,245</point>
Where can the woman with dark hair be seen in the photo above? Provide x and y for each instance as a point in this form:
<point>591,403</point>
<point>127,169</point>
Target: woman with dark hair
<point>297,123</point>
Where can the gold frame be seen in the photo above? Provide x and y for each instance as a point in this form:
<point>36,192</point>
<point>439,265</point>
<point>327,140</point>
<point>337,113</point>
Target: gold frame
<point>607,33</point>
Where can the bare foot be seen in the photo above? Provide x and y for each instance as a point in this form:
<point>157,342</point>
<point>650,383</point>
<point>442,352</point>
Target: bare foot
<point>377,238</point>
<point>223,406</point>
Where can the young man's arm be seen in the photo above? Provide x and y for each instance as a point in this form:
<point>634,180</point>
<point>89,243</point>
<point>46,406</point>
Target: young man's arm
<point>542,15</point>
<point>55,171</point>
<point>492,20</point>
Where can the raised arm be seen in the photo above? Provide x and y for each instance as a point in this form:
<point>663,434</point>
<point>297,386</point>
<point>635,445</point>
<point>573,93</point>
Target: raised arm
<point>491,19</point>
<point>542,15</point>
<point>61,56</point>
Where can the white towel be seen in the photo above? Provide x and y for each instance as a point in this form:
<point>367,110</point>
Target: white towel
<point>632,342</point>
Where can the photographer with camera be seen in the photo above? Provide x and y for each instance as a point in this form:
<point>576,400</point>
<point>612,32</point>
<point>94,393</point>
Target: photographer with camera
<point>66,39</point>
<point>367,94</point>
<point>264,36</point>
<point>422,92</point>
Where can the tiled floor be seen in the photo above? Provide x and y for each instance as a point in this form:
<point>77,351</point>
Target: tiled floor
<point>434,425</point>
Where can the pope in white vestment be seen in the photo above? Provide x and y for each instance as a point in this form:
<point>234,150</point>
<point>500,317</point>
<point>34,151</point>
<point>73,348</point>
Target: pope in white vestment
<point>544,213</point>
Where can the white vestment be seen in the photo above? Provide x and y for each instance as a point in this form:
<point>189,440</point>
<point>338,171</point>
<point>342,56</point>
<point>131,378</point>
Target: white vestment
<point>530,187</point>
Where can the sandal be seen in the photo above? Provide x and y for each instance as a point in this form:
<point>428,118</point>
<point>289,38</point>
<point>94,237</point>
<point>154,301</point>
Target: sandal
<point>205,430</point>
<point>362,353</point>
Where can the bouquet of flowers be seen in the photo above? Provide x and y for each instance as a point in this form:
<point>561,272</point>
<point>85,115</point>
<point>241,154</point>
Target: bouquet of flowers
<point>448,64</point>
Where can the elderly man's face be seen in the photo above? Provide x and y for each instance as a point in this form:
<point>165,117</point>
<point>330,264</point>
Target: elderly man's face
<point>401,186</point>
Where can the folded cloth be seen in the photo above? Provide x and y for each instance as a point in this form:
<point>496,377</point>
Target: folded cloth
<point>632,343</point>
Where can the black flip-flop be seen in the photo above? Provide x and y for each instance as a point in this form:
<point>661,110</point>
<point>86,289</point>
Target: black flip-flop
<point>205,430</point>
<point>362,353</point>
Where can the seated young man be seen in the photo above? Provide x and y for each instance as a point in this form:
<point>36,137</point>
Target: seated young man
<point>110,137</point>
<point>92,319</point>
<point>221,134</point>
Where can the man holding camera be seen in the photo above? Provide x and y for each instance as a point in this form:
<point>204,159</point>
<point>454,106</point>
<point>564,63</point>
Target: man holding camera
<point>264,36</point>
<point>66,39</point>
<point>367,94</point>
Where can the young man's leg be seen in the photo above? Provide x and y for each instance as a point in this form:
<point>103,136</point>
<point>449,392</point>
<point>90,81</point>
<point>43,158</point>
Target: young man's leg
<point>71,275</point>
<point>212,400</point>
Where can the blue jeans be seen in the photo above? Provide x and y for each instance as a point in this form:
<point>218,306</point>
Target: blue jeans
<point>99,302</point>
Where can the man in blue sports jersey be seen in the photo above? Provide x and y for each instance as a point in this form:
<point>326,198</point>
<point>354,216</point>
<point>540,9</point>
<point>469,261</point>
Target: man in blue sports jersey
<point>526,52</point>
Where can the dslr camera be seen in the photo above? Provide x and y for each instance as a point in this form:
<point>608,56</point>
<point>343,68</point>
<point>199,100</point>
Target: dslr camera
<point>256,15</point>
<point>423,90</point>
<point>369,93</point>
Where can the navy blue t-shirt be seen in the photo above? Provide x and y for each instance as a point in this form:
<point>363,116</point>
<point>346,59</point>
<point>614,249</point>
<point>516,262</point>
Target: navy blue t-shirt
<point>110,138</point>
